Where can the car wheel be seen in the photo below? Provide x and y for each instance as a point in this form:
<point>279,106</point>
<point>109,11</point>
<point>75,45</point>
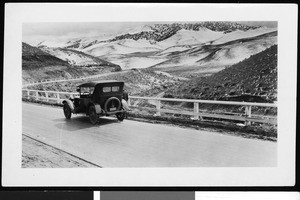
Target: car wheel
<point>120,116</point>
<point>93,115</point>
<point>112,103</point>
<point>67,111</point>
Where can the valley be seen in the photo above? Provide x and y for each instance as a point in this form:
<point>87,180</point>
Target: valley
<point>39,65</point>
<point>205,60</point>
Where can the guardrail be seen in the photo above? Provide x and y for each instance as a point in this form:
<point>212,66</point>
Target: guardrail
<point>47,96</point>
<point>197,114</point>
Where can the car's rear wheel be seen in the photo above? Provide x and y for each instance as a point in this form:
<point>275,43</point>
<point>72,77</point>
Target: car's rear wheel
<point>120,116</point>
<point>93,115</point>
<point>67,111</point>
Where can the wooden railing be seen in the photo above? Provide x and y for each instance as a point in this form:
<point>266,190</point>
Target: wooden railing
<point>196,113</point>
<point>48,96</point>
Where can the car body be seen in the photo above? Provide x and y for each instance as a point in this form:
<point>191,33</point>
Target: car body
<point>95,99</point>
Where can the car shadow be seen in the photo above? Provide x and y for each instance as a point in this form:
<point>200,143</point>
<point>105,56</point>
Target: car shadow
<point>82,122</point>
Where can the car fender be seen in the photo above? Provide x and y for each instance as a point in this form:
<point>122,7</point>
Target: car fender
<point>70,103</point>
<point>125,105</point>
<point>97,108</point>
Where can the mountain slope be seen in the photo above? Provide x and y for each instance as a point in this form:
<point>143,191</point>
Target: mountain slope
<point>76,58</point>
<point>40,65</point>
<point>183,49</point>
<point>33,58</point>
<point>253,79</point>
<point>158,33</point>
<point>137,82</point>
<point>186,60</point>
<point>161,32</point>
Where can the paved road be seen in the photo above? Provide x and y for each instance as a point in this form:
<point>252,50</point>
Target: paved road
<point>138,144</point>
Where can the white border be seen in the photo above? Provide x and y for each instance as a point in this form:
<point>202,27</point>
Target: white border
<point>96,195</point>
<point>246,195</point>
<point>282,175</point>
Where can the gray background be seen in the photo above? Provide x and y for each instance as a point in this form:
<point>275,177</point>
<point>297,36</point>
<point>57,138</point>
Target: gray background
<point>146,195</point>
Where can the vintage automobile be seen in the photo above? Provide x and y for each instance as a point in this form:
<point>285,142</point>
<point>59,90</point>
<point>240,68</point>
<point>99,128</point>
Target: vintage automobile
<point>97,99</point>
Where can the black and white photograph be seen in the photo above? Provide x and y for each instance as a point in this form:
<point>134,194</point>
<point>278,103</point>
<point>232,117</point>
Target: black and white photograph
<point>150,92</point>
<point>150,80</point>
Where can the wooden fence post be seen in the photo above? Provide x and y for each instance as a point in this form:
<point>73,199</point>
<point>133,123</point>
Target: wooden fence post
<point>36,95</point>
<point>158,108</point>
<point>46,95</point>
<point>248,114</point>
<point>196,110</point>
<point>57,96</point>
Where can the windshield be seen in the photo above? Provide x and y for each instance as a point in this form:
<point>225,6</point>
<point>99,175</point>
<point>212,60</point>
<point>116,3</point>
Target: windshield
<point>86,90</point>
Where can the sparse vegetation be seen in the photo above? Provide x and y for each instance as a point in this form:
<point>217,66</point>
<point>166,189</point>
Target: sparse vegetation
<point>254,79</point>
<point>137,82</point>
<point>160,32</point>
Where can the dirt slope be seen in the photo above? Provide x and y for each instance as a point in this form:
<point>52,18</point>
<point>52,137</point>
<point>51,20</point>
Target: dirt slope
<point>253,79</point>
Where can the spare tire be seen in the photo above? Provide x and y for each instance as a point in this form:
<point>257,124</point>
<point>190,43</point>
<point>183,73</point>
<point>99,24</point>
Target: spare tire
<point>112,104</point>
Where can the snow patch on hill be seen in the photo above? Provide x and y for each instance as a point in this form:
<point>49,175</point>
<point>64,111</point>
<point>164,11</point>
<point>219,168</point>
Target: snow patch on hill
<point>137,62</point>
<point>243,34</point>
<point>50,43</point>
<point>120,47</point>
<point>135,30</point>
<point>233,54</point>
<point>72,57</point>
<point>184,47</point>
<point>175,49</point>
<point>187,37</point>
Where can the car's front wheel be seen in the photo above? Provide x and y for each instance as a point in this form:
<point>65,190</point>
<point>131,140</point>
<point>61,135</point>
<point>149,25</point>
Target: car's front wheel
<point>93,115</point>
<point>67,111</point>
<point>120,116</point>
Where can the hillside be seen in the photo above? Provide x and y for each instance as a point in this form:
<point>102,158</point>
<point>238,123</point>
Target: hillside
<point>137,82</point>
<point>34,58</point>
<point>194,60</point>
<point>152,32</point>
<point>39,65</point>
<point>160,32</point>
<point>253,79</point>
<point>75,58</point>
<point>183,49</point>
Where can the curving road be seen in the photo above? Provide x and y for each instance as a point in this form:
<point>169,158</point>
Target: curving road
<point>138,144</point>
<point>74,79</point>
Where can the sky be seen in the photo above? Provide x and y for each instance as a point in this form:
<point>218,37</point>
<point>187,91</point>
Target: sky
<point>65,30</point>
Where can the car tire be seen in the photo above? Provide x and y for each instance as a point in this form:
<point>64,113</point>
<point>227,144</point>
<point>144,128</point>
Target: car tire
<point>120,116</point>
<point>67,111</point>
<point>93,115</point>
<point>112,99</point>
